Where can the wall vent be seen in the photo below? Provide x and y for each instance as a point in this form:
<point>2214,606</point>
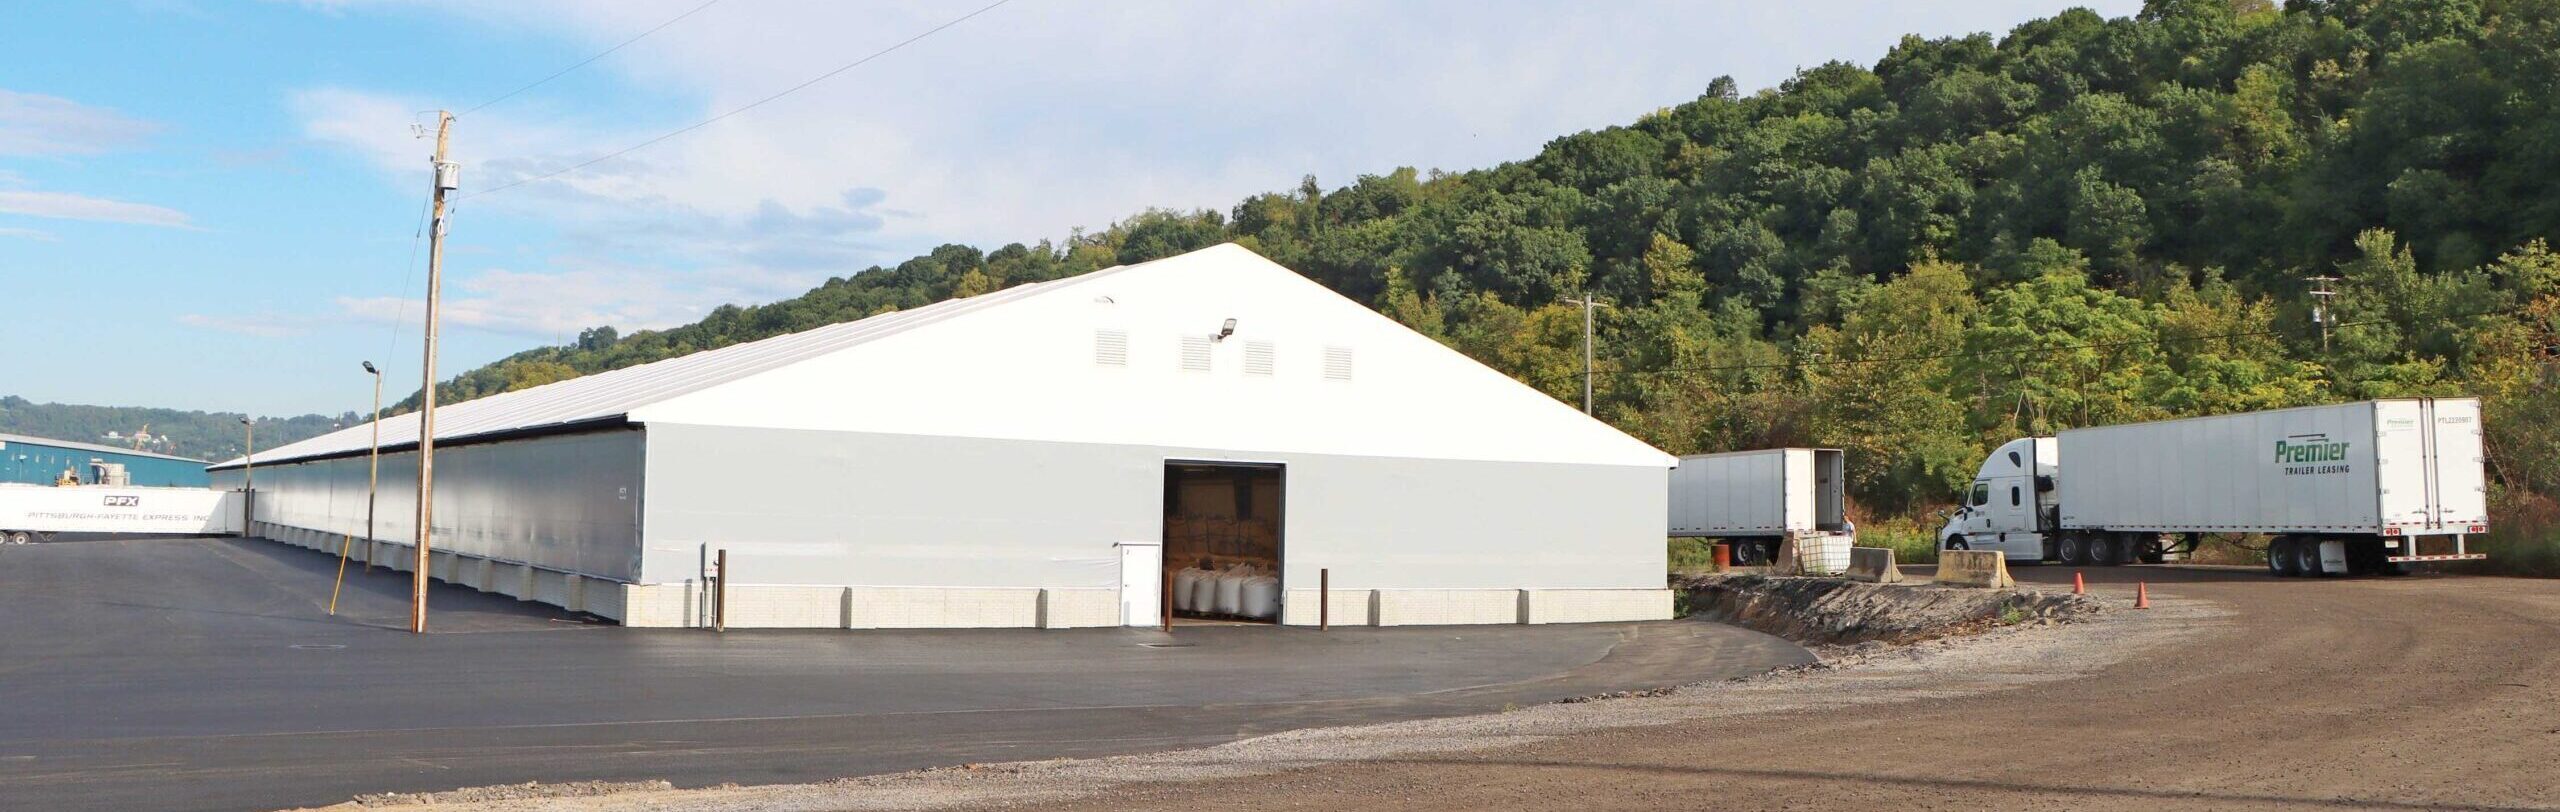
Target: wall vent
<point>1337,363</point>
<point>1111,348</point>
<point>1195,353</point>
<point>1257,358</point>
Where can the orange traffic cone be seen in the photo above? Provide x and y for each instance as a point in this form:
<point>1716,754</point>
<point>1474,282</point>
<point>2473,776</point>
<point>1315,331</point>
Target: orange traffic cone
<point>2078,587</point>
<point>2142,595</point>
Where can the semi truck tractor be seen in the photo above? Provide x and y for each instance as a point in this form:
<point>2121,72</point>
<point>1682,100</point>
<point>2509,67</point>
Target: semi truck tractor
<point>1757,499</point>
<point>2376,486</point>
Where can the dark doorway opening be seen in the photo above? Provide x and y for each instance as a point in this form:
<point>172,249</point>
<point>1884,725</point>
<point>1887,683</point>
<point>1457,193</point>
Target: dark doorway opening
<point>1223,539</point>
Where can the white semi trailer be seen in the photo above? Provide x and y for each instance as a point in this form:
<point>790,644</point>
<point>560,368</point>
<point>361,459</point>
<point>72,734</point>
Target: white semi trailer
<point>2374,486</point>
<point>1756,499</point>
<point>28,512</point>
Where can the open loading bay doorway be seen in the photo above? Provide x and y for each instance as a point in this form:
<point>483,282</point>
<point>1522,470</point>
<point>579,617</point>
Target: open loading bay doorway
<point>1223,539</point>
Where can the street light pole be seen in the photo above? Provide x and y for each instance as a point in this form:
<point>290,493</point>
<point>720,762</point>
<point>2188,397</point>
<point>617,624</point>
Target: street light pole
<point>347,542</point>
<point>373,472</point>
<point>248,476</point>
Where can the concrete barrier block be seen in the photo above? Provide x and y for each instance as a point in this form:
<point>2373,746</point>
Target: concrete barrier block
<point>1873,565</point>
<point>1975,568</point>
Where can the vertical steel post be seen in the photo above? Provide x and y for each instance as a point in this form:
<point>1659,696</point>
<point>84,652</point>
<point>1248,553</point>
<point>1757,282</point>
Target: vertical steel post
<point>720,599</point>
<point>1164,603</point>
<point>1324,599</point>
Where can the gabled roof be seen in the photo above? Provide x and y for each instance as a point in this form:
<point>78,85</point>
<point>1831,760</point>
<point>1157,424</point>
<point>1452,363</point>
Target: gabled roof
<point>1218,354</point>
<point>607,397</point>
<point>1125,356</point>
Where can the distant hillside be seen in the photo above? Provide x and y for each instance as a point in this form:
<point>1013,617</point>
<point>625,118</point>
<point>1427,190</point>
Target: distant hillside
<point>202,435</point>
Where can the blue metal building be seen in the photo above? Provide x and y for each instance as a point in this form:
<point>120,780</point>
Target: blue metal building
<point>38,461</point>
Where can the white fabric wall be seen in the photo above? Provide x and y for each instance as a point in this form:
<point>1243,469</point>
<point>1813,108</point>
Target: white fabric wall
<point>857,509</point>
<point>569,502</point>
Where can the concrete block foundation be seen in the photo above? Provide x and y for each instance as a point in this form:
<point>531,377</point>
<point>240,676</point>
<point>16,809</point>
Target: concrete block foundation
<point>692,604</point>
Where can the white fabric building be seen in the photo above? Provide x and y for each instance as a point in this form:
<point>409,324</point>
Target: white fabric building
<point>1017,459</point>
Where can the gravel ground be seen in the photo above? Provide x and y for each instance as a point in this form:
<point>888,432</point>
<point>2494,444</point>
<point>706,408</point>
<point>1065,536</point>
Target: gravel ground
<point>2004,658</point>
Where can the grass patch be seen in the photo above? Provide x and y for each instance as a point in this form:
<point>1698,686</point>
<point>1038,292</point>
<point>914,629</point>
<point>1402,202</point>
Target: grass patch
<point>2523,538</point>
<point>1911,541</point>
<point>1693,555</point>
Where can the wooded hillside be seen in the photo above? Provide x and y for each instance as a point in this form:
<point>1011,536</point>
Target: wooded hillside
<point>2084,221</point>
<point>202,435</point>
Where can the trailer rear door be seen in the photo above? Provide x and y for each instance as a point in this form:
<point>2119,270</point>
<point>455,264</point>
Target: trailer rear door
<point>2404,465</point>
<point>2430,460</point>
<point>2461,496</point>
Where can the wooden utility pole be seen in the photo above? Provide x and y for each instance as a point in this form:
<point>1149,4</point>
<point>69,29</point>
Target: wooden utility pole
<point>1588,304</point>
<point>446,178</point>
<point>2320,294</point>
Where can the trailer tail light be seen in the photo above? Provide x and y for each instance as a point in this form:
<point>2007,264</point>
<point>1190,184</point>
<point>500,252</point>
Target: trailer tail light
<point>2478,528</point>
<point>2391,531</point>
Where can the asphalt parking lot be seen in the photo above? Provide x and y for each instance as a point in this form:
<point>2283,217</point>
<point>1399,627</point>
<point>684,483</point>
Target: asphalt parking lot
<point>205,674</point>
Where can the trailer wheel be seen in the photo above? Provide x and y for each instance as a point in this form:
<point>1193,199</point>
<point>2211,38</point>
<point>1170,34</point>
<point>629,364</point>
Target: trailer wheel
<point>1747,553</point>
<point>2281,562</point>
<point>2104,551</point>
<point>2071,551</point>
<point>19,537</point>
<point>2307,558</point>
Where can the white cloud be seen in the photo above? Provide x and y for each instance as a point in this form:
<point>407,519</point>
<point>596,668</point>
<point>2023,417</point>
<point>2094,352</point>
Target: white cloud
<point>27,233</point>
<point>1039,117</point>
<point>260,326</point>
<point>1030,120</point>
<point>33,124</point>
<point>551,306</point>
<point>68,206</point>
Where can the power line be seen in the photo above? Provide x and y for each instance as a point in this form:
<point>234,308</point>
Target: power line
<point>584,62</point>
<point>2095,345</point>
<point>748,106</point>
<point>400,296</point>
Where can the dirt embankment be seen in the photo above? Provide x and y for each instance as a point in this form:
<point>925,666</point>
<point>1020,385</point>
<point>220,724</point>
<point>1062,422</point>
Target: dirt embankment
<point>1830,611</point>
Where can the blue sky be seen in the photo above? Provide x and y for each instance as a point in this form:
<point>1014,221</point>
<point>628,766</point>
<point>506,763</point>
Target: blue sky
<point>212,205</point>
